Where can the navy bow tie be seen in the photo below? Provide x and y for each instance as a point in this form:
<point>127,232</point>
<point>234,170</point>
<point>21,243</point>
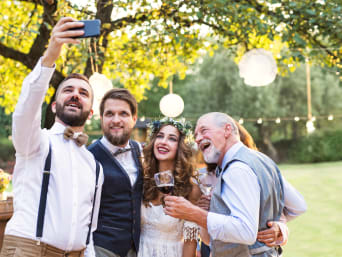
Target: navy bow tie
<point>121,150</point>
<point>218,171</point>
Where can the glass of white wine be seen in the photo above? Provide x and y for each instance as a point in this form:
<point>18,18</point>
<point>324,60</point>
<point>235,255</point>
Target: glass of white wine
<point>207,182</point>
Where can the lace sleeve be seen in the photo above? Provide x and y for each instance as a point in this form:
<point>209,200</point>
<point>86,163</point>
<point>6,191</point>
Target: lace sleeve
<point>190,231</point>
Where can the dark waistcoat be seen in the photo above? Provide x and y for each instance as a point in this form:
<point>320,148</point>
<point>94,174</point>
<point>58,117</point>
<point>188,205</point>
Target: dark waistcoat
<point>118,228</point>
<point>271,203</point>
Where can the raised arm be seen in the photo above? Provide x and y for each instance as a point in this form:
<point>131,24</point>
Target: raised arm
<point>26,129</point>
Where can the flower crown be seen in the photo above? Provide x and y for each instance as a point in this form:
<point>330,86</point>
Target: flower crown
<point>182,125</point>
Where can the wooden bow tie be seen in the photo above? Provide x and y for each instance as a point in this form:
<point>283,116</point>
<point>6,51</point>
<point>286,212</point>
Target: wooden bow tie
<point>79,138</point>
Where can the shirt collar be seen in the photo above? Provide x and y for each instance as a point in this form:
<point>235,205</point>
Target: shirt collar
<point>112,148</point>
<point>230,153</point>
<point>57,128</point>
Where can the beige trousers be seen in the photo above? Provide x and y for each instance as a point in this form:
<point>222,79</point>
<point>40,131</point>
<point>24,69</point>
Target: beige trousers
<point>14,246</point>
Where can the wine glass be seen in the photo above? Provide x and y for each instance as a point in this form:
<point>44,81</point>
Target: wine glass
<point>165,181</point>
<point>206,182</point>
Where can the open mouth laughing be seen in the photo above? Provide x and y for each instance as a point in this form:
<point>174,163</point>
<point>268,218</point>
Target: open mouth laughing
<point>204,145</point>
<point>162,150</point>
<point>73,105</point>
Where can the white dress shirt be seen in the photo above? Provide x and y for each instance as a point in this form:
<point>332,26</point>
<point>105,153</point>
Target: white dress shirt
<point>72,180</point>
<point>240,192</point>
<point>125,159</point>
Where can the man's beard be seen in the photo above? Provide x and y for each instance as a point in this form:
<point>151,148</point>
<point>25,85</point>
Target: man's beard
<point>73,120</point>
<point>118,139</point>
<point>213,156</point>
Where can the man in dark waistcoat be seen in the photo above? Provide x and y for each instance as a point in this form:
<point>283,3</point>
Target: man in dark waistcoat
<point>248,194</point>
<point>118,228</point>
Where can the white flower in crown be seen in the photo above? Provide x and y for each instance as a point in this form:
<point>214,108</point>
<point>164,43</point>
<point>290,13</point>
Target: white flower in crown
<point>181,124</point>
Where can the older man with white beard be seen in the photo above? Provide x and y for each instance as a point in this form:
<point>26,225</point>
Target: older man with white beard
<point>248,194</point>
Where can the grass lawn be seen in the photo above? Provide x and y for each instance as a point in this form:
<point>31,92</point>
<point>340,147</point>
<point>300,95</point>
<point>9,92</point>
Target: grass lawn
<point>318,232</point>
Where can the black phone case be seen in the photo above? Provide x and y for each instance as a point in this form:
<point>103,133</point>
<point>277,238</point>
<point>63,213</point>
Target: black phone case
<point>91,28</point>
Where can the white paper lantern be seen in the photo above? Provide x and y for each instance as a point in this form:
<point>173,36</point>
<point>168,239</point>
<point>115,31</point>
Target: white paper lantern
<point>171,105</point>
<point>258,67</point>
<point>310,127</point>
<point>100,84</point>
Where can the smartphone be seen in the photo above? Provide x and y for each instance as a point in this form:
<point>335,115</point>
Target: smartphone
<point>91,28</point>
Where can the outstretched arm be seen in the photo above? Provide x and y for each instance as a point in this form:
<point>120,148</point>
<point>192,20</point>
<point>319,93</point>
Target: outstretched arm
<point>27,115</point>
<point>241,226</point>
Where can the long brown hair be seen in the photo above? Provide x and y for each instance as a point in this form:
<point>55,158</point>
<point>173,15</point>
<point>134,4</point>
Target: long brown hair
<point>245,137</point>
<point>183,172</point>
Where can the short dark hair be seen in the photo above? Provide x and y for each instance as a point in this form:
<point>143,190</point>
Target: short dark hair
<point>76,76</point>
<point>121,94</point>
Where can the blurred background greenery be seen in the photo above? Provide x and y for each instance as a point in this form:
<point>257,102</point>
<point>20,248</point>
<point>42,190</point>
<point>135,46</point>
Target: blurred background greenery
<point>196,45</point>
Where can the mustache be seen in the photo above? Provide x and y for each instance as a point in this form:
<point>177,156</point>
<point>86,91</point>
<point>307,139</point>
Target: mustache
<point>73,100</point>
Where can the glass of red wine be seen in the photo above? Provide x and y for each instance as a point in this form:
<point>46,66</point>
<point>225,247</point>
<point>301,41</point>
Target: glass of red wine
<point>164,181</point>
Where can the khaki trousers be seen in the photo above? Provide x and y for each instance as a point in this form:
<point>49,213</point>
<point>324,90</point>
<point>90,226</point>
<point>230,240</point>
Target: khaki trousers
<point>14,246</point>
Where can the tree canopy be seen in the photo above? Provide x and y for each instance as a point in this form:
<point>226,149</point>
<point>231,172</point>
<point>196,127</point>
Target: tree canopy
<point>146,39</point>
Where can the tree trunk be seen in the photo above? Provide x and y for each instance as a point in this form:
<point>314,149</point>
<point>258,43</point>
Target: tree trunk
<point>265,134</point>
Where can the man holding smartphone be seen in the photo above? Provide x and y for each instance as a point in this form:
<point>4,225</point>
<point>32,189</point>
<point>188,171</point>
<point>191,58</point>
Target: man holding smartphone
<point>55,176</point>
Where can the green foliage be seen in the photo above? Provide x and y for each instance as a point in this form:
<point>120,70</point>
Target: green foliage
<point>317,232</point>
<point>216,86</point>
<point>318,147</point>
<point>5,121</point>
<point>6,150</point>
<point>142,40</point>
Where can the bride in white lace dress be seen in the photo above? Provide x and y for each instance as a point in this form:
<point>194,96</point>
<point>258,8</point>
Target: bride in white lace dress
<point>162,235</point>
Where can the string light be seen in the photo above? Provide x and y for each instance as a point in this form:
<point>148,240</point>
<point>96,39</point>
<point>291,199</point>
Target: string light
<point>276,120</point>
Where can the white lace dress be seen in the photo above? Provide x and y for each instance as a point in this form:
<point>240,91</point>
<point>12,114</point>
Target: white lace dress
<point>162,235</point>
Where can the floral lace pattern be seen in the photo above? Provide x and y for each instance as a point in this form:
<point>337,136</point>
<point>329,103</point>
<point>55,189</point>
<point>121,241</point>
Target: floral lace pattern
<point>162,235</point>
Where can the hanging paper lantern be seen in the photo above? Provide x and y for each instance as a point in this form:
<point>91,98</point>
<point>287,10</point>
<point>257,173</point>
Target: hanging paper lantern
<point>171,105</point>
<point>258,68</point>
<point>100,84</point>
<point>310,127</point>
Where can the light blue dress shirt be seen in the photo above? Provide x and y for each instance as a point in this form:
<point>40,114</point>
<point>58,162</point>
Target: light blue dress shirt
<point>241,193</point>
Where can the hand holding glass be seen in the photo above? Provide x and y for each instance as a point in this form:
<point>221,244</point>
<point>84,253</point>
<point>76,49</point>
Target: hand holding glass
<point>164,181</point>
<point>206,183</point>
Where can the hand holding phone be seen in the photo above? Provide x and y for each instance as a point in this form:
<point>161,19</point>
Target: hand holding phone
<point>91,28</point>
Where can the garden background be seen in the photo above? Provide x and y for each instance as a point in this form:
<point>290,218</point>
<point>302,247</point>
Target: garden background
<point>193,47</point>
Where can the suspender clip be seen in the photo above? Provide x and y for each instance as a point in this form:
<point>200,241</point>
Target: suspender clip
<point>38,240</point>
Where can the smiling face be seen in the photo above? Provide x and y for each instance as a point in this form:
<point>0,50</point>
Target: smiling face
<point>211,139</point>
<point>166,145</point>
<point>117,121</point>
<point>73,102</point>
